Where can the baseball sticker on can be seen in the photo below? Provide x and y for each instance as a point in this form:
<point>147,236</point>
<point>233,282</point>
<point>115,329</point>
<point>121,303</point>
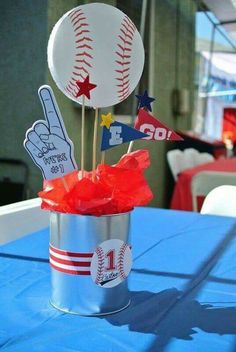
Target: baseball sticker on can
<point>111,263</point>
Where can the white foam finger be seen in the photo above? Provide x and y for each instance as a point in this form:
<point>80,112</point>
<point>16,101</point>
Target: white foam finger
<point>51,111</point>
<point>35,139</point>
<point>41,129</point>
<point>32,150</point>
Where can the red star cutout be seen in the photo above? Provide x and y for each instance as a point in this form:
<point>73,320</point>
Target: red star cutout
<point>85,87</point>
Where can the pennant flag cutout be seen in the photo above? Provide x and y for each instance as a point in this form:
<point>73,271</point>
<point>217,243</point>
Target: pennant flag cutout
<point>119,133</point>
<point>155,129</point>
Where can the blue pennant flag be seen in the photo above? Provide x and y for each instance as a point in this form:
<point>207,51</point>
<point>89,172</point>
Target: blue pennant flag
<point>119,133</point>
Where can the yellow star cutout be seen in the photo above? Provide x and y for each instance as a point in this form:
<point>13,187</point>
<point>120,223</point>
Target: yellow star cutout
<point>106,120</point>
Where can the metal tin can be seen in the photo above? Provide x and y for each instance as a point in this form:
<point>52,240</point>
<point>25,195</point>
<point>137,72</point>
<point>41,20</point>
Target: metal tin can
<point>75,241</point>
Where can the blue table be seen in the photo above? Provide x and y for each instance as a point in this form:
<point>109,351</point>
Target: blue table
<point>183,289</point>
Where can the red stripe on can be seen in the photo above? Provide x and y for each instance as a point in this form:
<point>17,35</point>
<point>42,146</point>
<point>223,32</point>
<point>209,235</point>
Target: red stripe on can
<point>69,262</point>
<point>71,254</point>
<point>67,271</point>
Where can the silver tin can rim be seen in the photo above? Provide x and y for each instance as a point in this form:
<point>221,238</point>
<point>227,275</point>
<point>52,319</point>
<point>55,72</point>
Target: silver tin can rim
<point>90,314</point>
<point>99,216</point>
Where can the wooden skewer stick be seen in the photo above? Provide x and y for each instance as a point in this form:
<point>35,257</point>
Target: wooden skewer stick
<point>103,157</point>
<point>82,137</point>
<point>130,147</point>
<point>95,134</point>
<point>65,184</point>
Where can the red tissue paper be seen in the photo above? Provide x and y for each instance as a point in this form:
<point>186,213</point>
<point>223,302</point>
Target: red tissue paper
<point>115,189</point>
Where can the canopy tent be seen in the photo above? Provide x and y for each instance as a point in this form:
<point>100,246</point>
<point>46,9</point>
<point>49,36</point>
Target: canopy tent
<point>218,87</point>
<point>225,11</point>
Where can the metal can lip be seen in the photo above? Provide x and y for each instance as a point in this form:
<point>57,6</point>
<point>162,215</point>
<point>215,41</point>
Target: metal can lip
<point>89,313</point>
<point>101,216</point>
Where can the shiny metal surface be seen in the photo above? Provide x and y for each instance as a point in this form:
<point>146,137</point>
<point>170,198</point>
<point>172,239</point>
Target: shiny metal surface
<point>81,233</point>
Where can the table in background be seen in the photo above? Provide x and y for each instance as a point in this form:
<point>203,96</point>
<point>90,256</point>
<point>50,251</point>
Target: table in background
<point>182,292</point>
<point>182,195</point>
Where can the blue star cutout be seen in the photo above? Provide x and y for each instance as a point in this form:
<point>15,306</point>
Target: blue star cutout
<point>144,101</point>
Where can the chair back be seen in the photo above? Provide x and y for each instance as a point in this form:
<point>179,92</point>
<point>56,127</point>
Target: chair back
<point>204,158</point>
<point>180,160</point>
<point>191,157</point>
<point>205,181</point>
<point>175,161</point>
<point>221,201</point>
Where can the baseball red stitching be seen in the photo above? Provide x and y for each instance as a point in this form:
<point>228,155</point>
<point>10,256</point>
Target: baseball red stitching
<point>83,56</point>
<point>123,53</point>
<point>101,262</point>
<point>120,264</point>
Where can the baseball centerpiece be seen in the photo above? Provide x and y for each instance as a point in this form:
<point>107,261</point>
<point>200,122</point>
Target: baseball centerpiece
<point>100,41</point>
<point>96,58</point>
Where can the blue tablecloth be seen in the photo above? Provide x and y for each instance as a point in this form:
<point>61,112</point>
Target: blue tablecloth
<point>183,289</point>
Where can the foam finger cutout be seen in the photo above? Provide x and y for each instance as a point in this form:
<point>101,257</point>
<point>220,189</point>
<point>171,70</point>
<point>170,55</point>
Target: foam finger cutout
<point>47,141</point>
<point>99,41</point>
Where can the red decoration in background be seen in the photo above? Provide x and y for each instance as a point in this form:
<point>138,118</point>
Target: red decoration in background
<point>117,188</point>
<point>229,124</point>
<point>85,87</point>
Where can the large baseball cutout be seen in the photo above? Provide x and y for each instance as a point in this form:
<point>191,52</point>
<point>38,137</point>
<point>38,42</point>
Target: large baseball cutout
<point>111,263</point>
<point>100,41</point>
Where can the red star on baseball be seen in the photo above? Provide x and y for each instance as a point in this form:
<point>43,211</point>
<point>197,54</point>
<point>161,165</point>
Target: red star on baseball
<point>85,87</point>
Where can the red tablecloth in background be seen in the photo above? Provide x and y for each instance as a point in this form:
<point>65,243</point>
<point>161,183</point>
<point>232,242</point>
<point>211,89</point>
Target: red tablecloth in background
<point>229,123</point>
<point>182,196</point>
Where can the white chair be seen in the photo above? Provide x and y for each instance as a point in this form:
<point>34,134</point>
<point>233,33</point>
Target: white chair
<point>175,161</point>
<point>220,201</point>
<point>191,157</point>
<point>205,181</point>
<point>204,158</point>
<point>179,160</point>
<point>21,218</point>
